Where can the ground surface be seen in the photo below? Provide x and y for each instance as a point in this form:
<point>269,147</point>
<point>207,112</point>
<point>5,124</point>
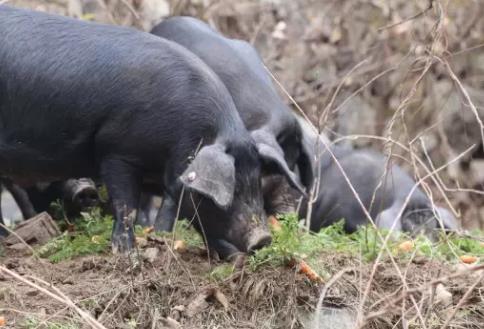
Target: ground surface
<point>164,286</point>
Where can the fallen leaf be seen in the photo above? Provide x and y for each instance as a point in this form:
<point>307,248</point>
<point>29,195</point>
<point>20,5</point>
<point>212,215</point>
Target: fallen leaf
<point>170,323</point>
<point>200,303</point>
<point>141,242</point>
<point>442,295</point>
<point>3,322</point>
<point>220,297</point>
<point>150,254</point>
<point>180,246</point>
<point>96,239</point>
<point>148,230</point>
<point>197,305</point>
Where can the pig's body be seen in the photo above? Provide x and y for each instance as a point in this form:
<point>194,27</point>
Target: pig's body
<point>381,186</point>
<point>272,124</point>
<point>81,99</point>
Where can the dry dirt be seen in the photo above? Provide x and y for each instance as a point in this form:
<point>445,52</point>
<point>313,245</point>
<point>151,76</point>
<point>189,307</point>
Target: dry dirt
<point>179,286</point>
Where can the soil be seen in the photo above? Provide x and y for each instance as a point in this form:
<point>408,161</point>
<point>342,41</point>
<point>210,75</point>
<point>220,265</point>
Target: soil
<point>177,288</point>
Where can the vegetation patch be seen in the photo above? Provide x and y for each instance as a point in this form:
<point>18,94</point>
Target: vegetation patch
<point>291,242</point>
<point>92,235</point>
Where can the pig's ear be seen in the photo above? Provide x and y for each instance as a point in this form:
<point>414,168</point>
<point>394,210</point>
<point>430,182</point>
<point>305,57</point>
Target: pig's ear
<point>212,174</point>
<point>444,216</point>
<point>272,157</point>
<point>387,218</point>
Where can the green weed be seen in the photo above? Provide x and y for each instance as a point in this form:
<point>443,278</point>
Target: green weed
<point>291,242</point>
<point>92,236</point>
<point>221,272</point>
<point>184,231</point>
<point>34,323</point>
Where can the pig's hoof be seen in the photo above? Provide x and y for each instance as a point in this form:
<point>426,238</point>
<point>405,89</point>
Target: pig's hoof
<point>122,243</point>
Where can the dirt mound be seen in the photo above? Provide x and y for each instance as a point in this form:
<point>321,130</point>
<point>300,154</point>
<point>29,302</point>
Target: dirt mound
<point>163,288</point>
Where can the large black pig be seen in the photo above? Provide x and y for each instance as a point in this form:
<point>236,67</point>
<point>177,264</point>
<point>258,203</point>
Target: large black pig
<point>272,124</point>
<point>80,99</point>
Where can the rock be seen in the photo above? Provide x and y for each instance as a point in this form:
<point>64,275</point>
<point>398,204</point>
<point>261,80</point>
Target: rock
<point>38,229</point>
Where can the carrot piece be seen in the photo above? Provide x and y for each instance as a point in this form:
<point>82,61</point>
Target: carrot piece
<point>468,259</point>
<point>305,269</point>
<point>274,224</point>
<point>406,246</point>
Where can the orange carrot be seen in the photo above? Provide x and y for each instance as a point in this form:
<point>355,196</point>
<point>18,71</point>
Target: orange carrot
<point>468,259</point>
<point>305,269</point>
<point>406,246</point>
<point>274,224</point>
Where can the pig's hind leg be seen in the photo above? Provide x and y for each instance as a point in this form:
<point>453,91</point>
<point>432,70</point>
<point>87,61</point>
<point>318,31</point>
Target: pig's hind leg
<point>123,183</point>
<point>166,216</point>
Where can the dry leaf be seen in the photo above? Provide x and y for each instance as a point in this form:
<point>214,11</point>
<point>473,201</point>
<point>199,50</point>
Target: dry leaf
<point>150,254</point>
<point>3,322</point>
<point>180,246</point>
<point>200,302</point>
<point>148,230</point>
<point>442,295</point>
<point>141,242</point>
<point>220,297</point>
<point>197,305</point>
<point>170,323</point>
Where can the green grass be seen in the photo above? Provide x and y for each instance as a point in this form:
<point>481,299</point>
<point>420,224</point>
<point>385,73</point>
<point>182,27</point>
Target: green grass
<point>185,232</point>
<point>92,236</point>
<point>292,242</point>
<point>34,323</point>
<point>93,232</point>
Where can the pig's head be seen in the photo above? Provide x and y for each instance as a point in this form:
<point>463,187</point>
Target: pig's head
<point>228,202</point>
<point>417,218</point>
<point>81,193</point>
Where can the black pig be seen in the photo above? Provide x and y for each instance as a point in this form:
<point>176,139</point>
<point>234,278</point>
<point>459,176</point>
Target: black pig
<point>272,124</point>
<point>131,108</point>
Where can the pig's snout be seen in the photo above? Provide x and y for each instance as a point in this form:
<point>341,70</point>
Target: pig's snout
<point>86,197</point>
<point>258,239</point>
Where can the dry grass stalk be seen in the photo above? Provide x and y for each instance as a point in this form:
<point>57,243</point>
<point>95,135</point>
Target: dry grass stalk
<point>60,297</point>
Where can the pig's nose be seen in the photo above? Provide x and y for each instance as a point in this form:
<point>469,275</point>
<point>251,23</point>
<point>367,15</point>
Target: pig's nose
<point>87,197</point>
<point>258,240</point>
